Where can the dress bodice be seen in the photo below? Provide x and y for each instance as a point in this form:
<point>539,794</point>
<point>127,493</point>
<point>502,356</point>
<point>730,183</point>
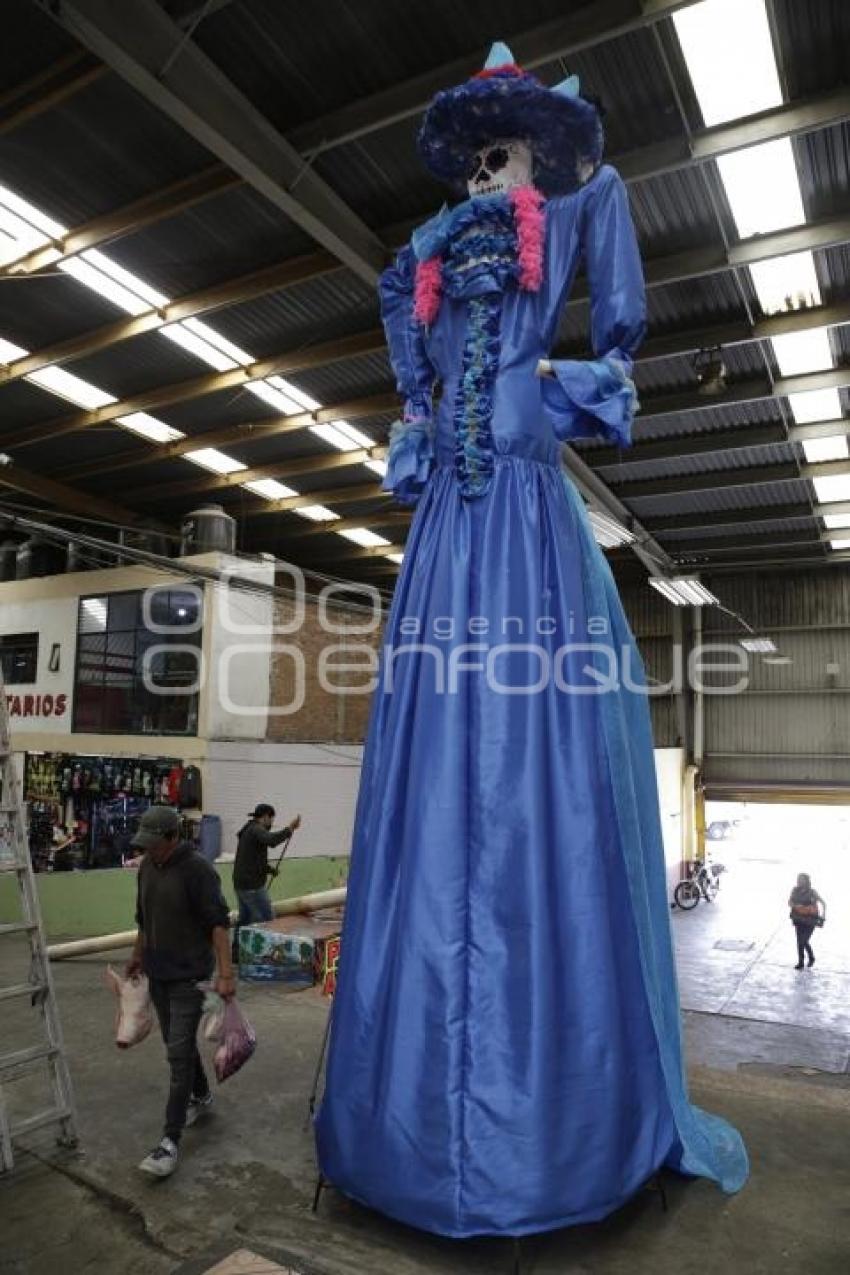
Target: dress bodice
<point>491,327</point>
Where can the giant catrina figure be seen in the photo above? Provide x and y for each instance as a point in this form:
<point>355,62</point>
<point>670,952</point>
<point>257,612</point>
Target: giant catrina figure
<point>506,1054</point>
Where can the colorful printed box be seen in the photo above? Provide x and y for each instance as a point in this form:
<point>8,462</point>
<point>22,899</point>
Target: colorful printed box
<point>290,949</point>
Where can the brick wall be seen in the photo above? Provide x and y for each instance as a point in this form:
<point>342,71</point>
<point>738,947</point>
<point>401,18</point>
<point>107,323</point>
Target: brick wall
<point>305,675</point>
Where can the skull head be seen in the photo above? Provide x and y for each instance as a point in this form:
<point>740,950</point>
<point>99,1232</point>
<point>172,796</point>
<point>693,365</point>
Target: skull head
<point>499,167</point>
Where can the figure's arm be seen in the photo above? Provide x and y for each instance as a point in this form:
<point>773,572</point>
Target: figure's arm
<point>134,965</point>
<point>596,397</point>
<point>411,439</point>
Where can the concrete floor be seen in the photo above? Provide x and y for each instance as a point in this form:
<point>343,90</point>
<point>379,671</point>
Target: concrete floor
<point>768,1049</point>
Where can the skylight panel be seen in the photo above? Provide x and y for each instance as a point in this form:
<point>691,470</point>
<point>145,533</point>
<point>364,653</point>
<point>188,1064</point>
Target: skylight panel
<point>149,427</point>
<point>801,352</point>
<point>275,398</point>
<point>220,342</point>
<point>378,467</point>
<point>66,385</point>
<point>833,447</point>
<point>835,487</point>
<point>363,536</point>
<point>132,282</point>
<point>269,488</point>
<point>815,405</point>
<point>762,187</point>
<point>729,52</point>
<point>304,400</point>
<point>836,522</point>
<point>9,351</point>
<point>786,283</point>
<point>88,275</point>
<point>842,542</point>
<point>330,434</point>
<point>395,557</point>
<point>194,344</point>
<point>317,513</point>
<point>29,213</point>
<point>218,462</point>
<point>356,435</point>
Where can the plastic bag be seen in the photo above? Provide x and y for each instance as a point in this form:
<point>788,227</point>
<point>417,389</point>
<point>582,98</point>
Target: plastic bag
<point>133,1012</point>
<point>212,1022</point>
<point>237,1044</point>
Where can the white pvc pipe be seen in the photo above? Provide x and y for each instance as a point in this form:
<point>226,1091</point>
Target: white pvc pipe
<point>108,942</point>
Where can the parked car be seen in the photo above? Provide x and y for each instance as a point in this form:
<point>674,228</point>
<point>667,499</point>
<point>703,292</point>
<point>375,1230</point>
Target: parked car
<point>721,829</point>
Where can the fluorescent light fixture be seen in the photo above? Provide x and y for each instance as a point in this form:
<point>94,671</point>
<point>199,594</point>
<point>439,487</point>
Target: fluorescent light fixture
<point>683,591</point>
<point>815,405</point>
<point>800,352</point>
<point>126,278</point>
<point>836,487</point>
<point>194,344</point>
<point>275,398</point>
<point>833,447</point>
<point>378,467</point>
<point>777,659</point>
<point>66,385</point>
<point>763,188</point>
<point>19,236</point>
<point>330,434</point>
<point>836,522</point>
<point>607,531</point>
<point>206,333</point>
<point>786,283</point>
<point>317,513</point>
<point>269,488</point>
<point>842,542</point>
<point>356,435</point>
<point>727,46</point>
<point>758,645</point>
<point>304,400</point>
<point>362,536</point>
<point>395,557</point>
<point>9,351</point>
<point>98,282</point>
<point>149,427</point>
<point>218,462</point>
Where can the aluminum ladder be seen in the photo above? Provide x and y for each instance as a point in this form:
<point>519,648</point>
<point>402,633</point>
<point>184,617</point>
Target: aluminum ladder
<point>38,989</point>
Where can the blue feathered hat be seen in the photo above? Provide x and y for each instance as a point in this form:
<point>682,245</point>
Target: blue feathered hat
<point>504,101</point>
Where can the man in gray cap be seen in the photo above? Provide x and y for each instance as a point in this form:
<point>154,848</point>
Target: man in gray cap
<point>183,936</point>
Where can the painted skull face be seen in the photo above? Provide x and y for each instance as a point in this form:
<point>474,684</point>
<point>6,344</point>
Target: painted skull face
<point>499,167</point>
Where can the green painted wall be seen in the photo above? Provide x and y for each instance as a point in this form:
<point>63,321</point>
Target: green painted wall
<point>85,904</point>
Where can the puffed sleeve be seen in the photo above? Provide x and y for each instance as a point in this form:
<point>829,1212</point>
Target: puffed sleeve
<point>411,455</point>
<point>596,397</point>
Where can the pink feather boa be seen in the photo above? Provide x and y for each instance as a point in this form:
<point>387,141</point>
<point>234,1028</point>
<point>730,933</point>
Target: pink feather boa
<point>528,215</point>
<point>527,204</point>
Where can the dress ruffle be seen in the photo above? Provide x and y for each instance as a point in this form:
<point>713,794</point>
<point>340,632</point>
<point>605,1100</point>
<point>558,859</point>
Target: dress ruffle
<point>589,398</point>
<point>410,460</point>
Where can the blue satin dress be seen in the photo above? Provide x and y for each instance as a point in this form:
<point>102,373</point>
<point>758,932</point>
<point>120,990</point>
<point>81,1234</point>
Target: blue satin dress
<point>505,1055</point>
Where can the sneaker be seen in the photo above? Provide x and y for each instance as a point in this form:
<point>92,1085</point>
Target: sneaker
<point>197,1108</point>
<point>162,1161</point>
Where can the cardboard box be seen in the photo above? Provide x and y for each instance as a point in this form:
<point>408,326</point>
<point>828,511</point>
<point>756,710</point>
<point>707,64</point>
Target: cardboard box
<point>290,949</point>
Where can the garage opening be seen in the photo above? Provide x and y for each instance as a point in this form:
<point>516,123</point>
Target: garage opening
<point>744,1002</point>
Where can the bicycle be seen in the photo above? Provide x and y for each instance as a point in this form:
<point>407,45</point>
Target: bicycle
<point>703,883</point>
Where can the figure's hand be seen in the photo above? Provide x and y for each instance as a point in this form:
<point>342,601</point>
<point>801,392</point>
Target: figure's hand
<point>544,368</point>
<point>225,986</point>
<point>296,824</point>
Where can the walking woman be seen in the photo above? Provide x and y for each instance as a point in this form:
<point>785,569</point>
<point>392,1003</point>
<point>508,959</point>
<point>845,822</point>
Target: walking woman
<point>805,904</point>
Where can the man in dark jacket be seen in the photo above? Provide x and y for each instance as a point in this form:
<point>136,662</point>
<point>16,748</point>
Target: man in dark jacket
<point>183,936</point>
<point>251,868</point>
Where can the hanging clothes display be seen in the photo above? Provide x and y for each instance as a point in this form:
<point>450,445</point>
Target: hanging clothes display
<point>506,1052</point>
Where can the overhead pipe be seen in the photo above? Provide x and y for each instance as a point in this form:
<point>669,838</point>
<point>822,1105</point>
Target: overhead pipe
<point>126,938</point>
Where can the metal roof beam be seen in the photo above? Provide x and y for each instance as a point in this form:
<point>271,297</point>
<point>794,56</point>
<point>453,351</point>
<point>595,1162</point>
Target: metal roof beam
<point>73,499</point>
<point>765,540</point>
<point>723,440</point>
<point>686,484</point>
<point>716,522</point>
<point>319,355</point>
<point>259,283</point>
<point>592,25</point>
<point>139,42</point>
<point>151,208</point>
